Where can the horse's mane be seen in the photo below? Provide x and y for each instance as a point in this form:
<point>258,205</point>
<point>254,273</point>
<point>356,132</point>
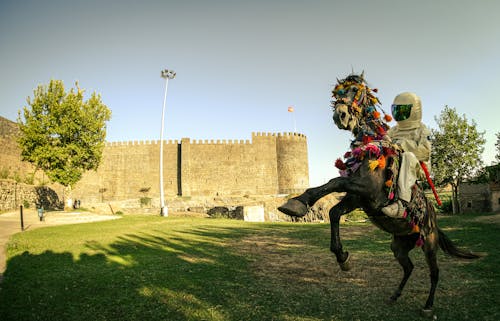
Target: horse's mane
<point>354,78</point>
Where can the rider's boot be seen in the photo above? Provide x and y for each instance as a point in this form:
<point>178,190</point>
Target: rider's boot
<point>395,209</point>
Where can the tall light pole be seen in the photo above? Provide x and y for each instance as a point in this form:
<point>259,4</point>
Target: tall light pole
<point>166,74</point>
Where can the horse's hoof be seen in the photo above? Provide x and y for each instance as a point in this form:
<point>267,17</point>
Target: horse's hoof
<point>346,266</point>
<point>391,300</point>
<point>428,313</point>
<point>293,208</point>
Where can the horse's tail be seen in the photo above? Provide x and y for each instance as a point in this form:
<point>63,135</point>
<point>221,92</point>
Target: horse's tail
<point>449,248</point>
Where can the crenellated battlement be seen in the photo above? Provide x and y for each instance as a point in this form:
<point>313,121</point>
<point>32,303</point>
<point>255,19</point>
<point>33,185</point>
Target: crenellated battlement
<point>286,135</point>
<point>140,142</point>
<point>269,163</point>
<point>220,142</point>
<point>292,135</point>
<point>289,135</point>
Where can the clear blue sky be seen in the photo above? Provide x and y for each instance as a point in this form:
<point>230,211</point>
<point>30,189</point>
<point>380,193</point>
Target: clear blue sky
<point>240,64</point>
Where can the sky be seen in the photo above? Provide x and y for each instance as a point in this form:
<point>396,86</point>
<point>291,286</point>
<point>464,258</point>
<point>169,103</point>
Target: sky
<point>240,64</point>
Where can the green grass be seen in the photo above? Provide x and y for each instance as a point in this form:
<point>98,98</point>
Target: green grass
<point>154,268</point>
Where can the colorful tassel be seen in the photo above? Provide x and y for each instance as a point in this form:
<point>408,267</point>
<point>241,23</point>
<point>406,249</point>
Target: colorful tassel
<point>388,183</point>
<point>381,161</point>
<point>376,114</point>
<point>367,139</point>
<point>340,164</point>
<point>373,164</point>
<point>420,241</point>
<point>387,117</point>
<point>388,151</point>
<point>372,150</point>
<point>357,152</point>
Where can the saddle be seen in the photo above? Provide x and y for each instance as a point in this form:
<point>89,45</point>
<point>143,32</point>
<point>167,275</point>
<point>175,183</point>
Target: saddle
<point>384,154</point>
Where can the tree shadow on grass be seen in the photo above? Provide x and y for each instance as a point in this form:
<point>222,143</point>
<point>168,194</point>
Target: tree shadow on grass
<point>137,277</point>
<point>210,273</point>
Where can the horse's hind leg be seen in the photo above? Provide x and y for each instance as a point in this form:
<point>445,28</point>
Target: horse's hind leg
<point>430,250</point>
<point>401,246</point>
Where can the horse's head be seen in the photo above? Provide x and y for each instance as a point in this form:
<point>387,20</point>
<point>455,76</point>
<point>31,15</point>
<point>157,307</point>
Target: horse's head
<point>351,102</point>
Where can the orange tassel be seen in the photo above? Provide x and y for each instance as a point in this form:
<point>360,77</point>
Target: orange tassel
<point>376,115</point>
<point>381,161</point>
<point>388,183</point>
<point>416,229</point>
<point>387,117</point>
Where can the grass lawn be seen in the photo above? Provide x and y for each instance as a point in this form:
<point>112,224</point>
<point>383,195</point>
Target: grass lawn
<point>186,268</point>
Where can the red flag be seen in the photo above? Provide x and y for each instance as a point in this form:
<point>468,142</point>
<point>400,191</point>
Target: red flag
<point>290,109</point>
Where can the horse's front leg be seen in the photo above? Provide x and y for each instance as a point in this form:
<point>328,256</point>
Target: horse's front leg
<point>346,205</point>
<point>299,205</point>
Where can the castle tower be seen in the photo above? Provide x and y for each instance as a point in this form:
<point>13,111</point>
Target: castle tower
<point>293,169</point>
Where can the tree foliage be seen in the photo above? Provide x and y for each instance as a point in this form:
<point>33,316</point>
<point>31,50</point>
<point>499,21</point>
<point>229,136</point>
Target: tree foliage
<point>61,133</point>
<point>457,147</point>
<point>497,147</point>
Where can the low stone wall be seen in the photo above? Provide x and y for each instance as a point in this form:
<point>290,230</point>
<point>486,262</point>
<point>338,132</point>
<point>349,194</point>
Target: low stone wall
<point>229,206</point>
<point>14,194</point>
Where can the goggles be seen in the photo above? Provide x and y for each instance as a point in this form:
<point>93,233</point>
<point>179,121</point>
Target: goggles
<point>401,112</point>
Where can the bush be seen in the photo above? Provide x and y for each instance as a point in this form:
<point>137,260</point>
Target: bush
<point>145,201</point>
<point>356,216</point>
<point>4,173</point>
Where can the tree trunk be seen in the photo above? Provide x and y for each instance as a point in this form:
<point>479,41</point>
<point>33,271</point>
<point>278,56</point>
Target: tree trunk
<point>454,199</point>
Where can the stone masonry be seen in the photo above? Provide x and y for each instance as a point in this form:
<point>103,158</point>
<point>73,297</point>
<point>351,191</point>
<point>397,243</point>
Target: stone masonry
<point>268,165</point>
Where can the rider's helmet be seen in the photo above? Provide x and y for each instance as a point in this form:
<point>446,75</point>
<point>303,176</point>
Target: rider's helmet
<point>407,110</point>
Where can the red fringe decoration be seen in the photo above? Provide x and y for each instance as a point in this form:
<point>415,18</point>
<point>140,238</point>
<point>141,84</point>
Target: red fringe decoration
<point>367,139</point>
<point>381,131</point>
<point>340,164</point>
<point>389,151</point>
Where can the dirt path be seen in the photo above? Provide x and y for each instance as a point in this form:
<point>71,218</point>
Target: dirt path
<point>10,223</point>
<point>492,219</point>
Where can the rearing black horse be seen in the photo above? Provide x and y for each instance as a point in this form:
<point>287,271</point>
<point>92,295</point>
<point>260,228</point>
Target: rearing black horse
<point>365,183</point>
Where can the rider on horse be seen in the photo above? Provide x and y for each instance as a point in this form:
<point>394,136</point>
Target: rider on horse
<point>414,138</point>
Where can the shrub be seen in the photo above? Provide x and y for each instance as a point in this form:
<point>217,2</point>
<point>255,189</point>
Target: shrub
<point>4,173</point>
<point>145,201</point>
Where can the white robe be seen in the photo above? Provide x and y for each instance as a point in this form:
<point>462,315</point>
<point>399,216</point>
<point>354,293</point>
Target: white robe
<point>415,141</point>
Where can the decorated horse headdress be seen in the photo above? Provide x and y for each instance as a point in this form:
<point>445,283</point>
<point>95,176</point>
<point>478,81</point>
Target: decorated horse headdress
<point>355,109</point>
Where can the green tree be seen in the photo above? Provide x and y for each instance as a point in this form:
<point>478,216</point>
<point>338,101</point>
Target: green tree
<point>61,133</point>
<point>456,151</point>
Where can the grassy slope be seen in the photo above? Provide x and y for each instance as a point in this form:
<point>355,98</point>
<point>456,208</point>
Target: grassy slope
<point>152,268</point>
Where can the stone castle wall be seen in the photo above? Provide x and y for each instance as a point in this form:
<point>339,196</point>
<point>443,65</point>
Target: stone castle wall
<point>269,164</point>
<point>14,194</point>
<point>11,165</point>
